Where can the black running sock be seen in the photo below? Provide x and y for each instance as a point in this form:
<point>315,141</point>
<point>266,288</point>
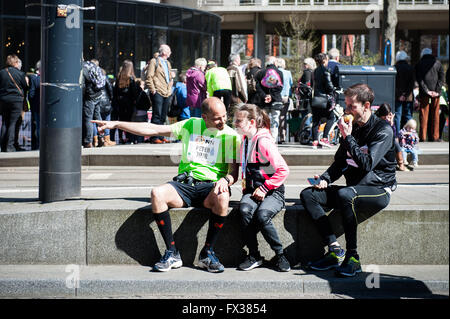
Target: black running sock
<point>165,227</point>
<point>216,223</point>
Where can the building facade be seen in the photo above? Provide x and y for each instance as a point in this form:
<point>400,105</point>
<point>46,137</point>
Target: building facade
<point>117,30</point>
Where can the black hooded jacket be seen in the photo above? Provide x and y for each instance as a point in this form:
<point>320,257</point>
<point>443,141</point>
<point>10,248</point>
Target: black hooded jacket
<point>366,157</point>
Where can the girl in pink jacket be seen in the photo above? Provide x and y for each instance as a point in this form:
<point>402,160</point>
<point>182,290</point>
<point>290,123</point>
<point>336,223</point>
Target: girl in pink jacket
<point>263,173</point>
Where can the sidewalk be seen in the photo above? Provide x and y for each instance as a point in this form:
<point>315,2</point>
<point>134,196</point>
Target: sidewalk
<point>169,154</point>
<point>376,281</point>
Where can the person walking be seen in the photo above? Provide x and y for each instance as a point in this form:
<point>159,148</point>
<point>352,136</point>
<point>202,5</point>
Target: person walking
<point>159,82</point>
<point>125,96</point>
<point>404,86</point>
<point>238,83</point>
<point>323,92</point>
<point>430,76</point>
<point>13,92</point>
<point>196,87</point>
<point>269,84</point>
<point>218,83</point>
<point>286,94</point>
<point>34,96</point>
<point>93,83</point>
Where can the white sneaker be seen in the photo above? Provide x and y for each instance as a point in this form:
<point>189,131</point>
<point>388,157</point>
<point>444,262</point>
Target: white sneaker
<point>416,164</point>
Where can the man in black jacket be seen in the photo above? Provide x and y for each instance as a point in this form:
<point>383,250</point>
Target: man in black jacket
<point>366,158</point>
<point>430,76</point>
<point>13,91</point>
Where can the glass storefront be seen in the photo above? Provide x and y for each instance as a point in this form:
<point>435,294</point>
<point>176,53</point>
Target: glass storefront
<point>115,31</point>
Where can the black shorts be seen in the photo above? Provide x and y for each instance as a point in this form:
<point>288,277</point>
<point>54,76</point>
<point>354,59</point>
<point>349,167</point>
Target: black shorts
<point>193,196</point>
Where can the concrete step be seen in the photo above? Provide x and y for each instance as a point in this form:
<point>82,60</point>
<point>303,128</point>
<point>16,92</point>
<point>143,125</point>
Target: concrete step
<point>169,155</point>
<point>114,231</point>
<point>119,281</point>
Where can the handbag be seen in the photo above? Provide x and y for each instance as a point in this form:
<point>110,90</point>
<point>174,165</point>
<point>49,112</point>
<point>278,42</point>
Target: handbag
<point>319,102</point>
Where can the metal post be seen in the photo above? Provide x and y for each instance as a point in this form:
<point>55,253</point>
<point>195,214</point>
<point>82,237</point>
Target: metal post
<point>61,100</point>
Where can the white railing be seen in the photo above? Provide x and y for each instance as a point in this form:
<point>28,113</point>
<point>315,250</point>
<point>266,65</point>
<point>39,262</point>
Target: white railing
<point>233,3</point>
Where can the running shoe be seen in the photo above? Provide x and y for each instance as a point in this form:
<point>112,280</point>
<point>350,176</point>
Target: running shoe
<point>315,144</point>
<point>349,267</point>
<point>251,262</point>
<point>280,263</point>
<point>211,263</point>
<point>170,260</point>
<point>332,259</point>
<point>324,142</point>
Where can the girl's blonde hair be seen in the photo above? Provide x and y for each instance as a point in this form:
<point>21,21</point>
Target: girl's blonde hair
<point>411,123</point>
<point>256,113</point>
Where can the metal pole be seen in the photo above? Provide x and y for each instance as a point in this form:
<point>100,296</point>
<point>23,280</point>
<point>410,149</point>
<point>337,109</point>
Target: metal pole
<point>61,100</point>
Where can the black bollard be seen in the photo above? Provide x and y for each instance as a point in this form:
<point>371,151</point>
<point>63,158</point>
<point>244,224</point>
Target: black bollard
<point>61,100</point>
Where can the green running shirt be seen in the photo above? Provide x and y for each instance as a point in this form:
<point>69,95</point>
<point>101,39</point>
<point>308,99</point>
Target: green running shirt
<point>206,153</point>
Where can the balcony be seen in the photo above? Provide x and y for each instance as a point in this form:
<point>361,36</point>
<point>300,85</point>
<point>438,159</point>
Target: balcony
<point>268,3</point>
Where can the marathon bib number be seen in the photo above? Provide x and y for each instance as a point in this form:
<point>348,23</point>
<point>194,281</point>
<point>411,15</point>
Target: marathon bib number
<point>203,149</point>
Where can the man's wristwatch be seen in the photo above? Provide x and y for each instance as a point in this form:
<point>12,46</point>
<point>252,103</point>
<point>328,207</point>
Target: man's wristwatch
<point>227,179</point>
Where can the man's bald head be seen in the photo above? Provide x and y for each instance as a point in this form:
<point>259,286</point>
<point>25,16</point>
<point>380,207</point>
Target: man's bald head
<point>214,113</point>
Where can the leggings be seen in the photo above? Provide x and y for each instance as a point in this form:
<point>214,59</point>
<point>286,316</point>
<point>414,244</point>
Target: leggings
<point>349,200</point>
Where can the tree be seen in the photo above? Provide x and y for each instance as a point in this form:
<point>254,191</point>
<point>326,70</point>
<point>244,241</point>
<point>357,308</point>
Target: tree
<point>389,25</point>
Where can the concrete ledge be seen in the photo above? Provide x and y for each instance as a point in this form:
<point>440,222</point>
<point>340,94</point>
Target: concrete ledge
<point>110,234</point>
<point>393,281</point>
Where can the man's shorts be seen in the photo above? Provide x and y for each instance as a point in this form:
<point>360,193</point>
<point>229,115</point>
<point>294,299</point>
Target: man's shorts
<point>193,196</point>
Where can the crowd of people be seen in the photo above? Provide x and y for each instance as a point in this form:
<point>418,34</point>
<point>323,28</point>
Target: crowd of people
<point>208,102</point>
<point>157,96</point>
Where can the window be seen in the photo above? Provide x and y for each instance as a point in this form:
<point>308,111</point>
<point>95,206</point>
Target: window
<point>13,35</point>
<point>175,43</point>
<point>144,14</point>
<point>125,48</point>
<point>174,18</point>
<point>89,41</point>
<point>144,49</point>
<point>187,19</point>
<point>14,7</point>
<point>161,16</point>
<point>88,14</point>
<point>127,13</point>
<point>32,10</point>
<point>33,41</point>
<point>106,10</point>
<point>106,47</point>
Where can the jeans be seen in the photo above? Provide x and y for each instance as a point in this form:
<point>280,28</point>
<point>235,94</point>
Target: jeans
<point>11,120</point>
<point>105,117</point>
<point>159,111</point>
<point>414,153</point>
<point>257,216</point>
<point>91,111</point>
<point>349,200</point>
<point>317,115</point>
<point>403,113</point>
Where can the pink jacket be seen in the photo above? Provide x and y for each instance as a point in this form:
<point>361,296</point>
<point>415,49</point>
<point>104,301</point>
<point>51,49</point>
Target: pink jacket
<point>265,165</point>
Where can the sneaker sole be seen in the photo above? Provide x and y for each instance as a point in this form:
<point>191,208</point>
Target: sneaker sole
<point>204,266</point>
<point>176,265</point>
<point>253,266</point>
<point>326,268</point>
<point>344,274</point>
